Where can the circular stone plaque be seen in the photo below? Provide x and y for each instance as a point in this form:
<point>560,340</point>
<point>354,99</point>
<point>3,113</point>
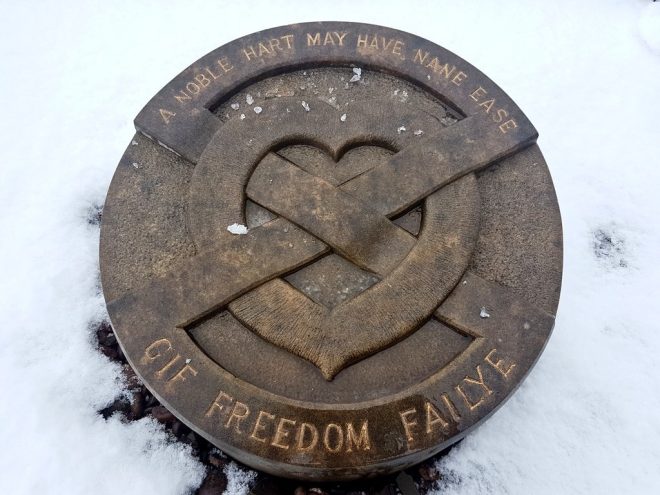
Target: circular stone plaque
<point>332,249</point>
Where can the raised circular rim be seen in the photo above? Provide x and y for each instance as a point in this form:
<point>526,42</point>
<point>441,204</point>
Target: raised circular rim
<point>187,130</point>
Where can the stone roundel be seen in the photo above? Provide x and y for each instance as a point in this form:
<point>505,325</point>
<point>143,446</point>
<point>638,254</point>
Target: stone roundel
<point>402,266</point>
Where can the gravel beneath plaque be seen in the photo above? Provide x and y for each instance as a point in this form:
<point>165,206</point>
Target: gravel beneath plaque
<point>224,474</point>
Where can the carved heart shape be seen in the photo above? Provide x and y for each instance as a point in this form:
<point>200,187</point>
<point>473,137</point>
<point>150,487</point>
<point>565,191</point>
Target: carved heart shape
<point>416,274</point>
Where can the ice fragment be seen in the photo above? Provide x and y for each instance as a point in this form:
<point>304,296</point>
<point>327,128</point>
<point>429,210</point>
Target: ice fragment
<point>357,74</point>
<point>237,229</point>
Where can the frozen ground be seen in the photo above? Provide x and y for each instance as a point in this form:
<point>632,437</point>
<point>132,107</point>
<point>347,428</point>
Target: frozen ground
<point>587,74</point>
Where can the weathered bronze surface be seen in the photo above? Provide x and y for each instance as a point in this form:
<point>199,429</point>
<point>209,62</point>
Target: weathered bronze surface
<point>402,266</point>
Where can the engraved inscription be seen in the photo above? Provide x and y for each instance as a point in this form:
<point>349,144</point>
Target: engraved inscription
<point>172,366</point>
<point>474,396</point>
<point>268,48</point>
<point>166,115</point>
<point>282,433</point>
<point>441,416</point>
<point>489,107</point>
<point>367,42</point>
<point>288,433</point>
<point>259,426</point>
<point>500,365</point>
<point>359,441</point>
<point>202,80</point>
<point>307,437</point>
<point>449,72</point>
<point>333,38</point>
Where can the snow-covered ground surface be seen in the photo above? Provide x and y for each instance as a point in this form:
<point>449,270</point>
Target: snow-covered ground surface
<point>72,76</point>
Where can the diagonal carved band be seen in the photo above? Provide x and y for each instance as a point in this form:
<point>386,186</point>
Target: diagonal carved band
<point>423,164</point>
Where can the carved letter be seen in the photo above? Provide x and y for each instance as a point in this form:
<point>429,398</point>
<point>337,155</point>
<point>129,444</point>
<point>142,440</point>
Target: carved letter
<point>500,115</point>
<point>328,40</point>
<point>407,425</point>
<point>263,49</point>
<point>211,73</point>
<point>258,426</point>
<point>434,417</point>
<point>499,364</point>
<point>165,368</point>
<point>182,96</point>
<point>452,408</point>
<point>282,433</point>
<point>478,93</point>
<point>509,124</point>
<point>340,37</point>
<point>156,349</point>
<point>476,381</point>
<point>238,415</point>
<point>353,439</point>
<point>289,40</point>
<point>225,65</point>
<point>418,57</point>
<point>300,437</point>
<point>339,441</point>
<point>274,44</point>
<point>193,88</point>
<point>488,104</point>
<point>216,404</point>
<point>249,53</point>
<point>459,78</point>
<point>180,375</point>
<point>447,71</point>
<point>202,80</point>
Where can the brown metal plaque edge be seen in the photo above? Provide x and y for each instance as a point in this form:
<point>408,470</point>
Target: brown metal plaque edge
<point>453,401</point>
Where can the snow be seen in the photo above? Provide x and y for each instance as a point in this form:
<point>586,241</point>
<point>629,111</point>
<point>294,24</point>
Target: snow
<point>586,73</point>
<point>239,481</point>
<point>649,27</point>
<point>403,97</point>
<point>238,229</point>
